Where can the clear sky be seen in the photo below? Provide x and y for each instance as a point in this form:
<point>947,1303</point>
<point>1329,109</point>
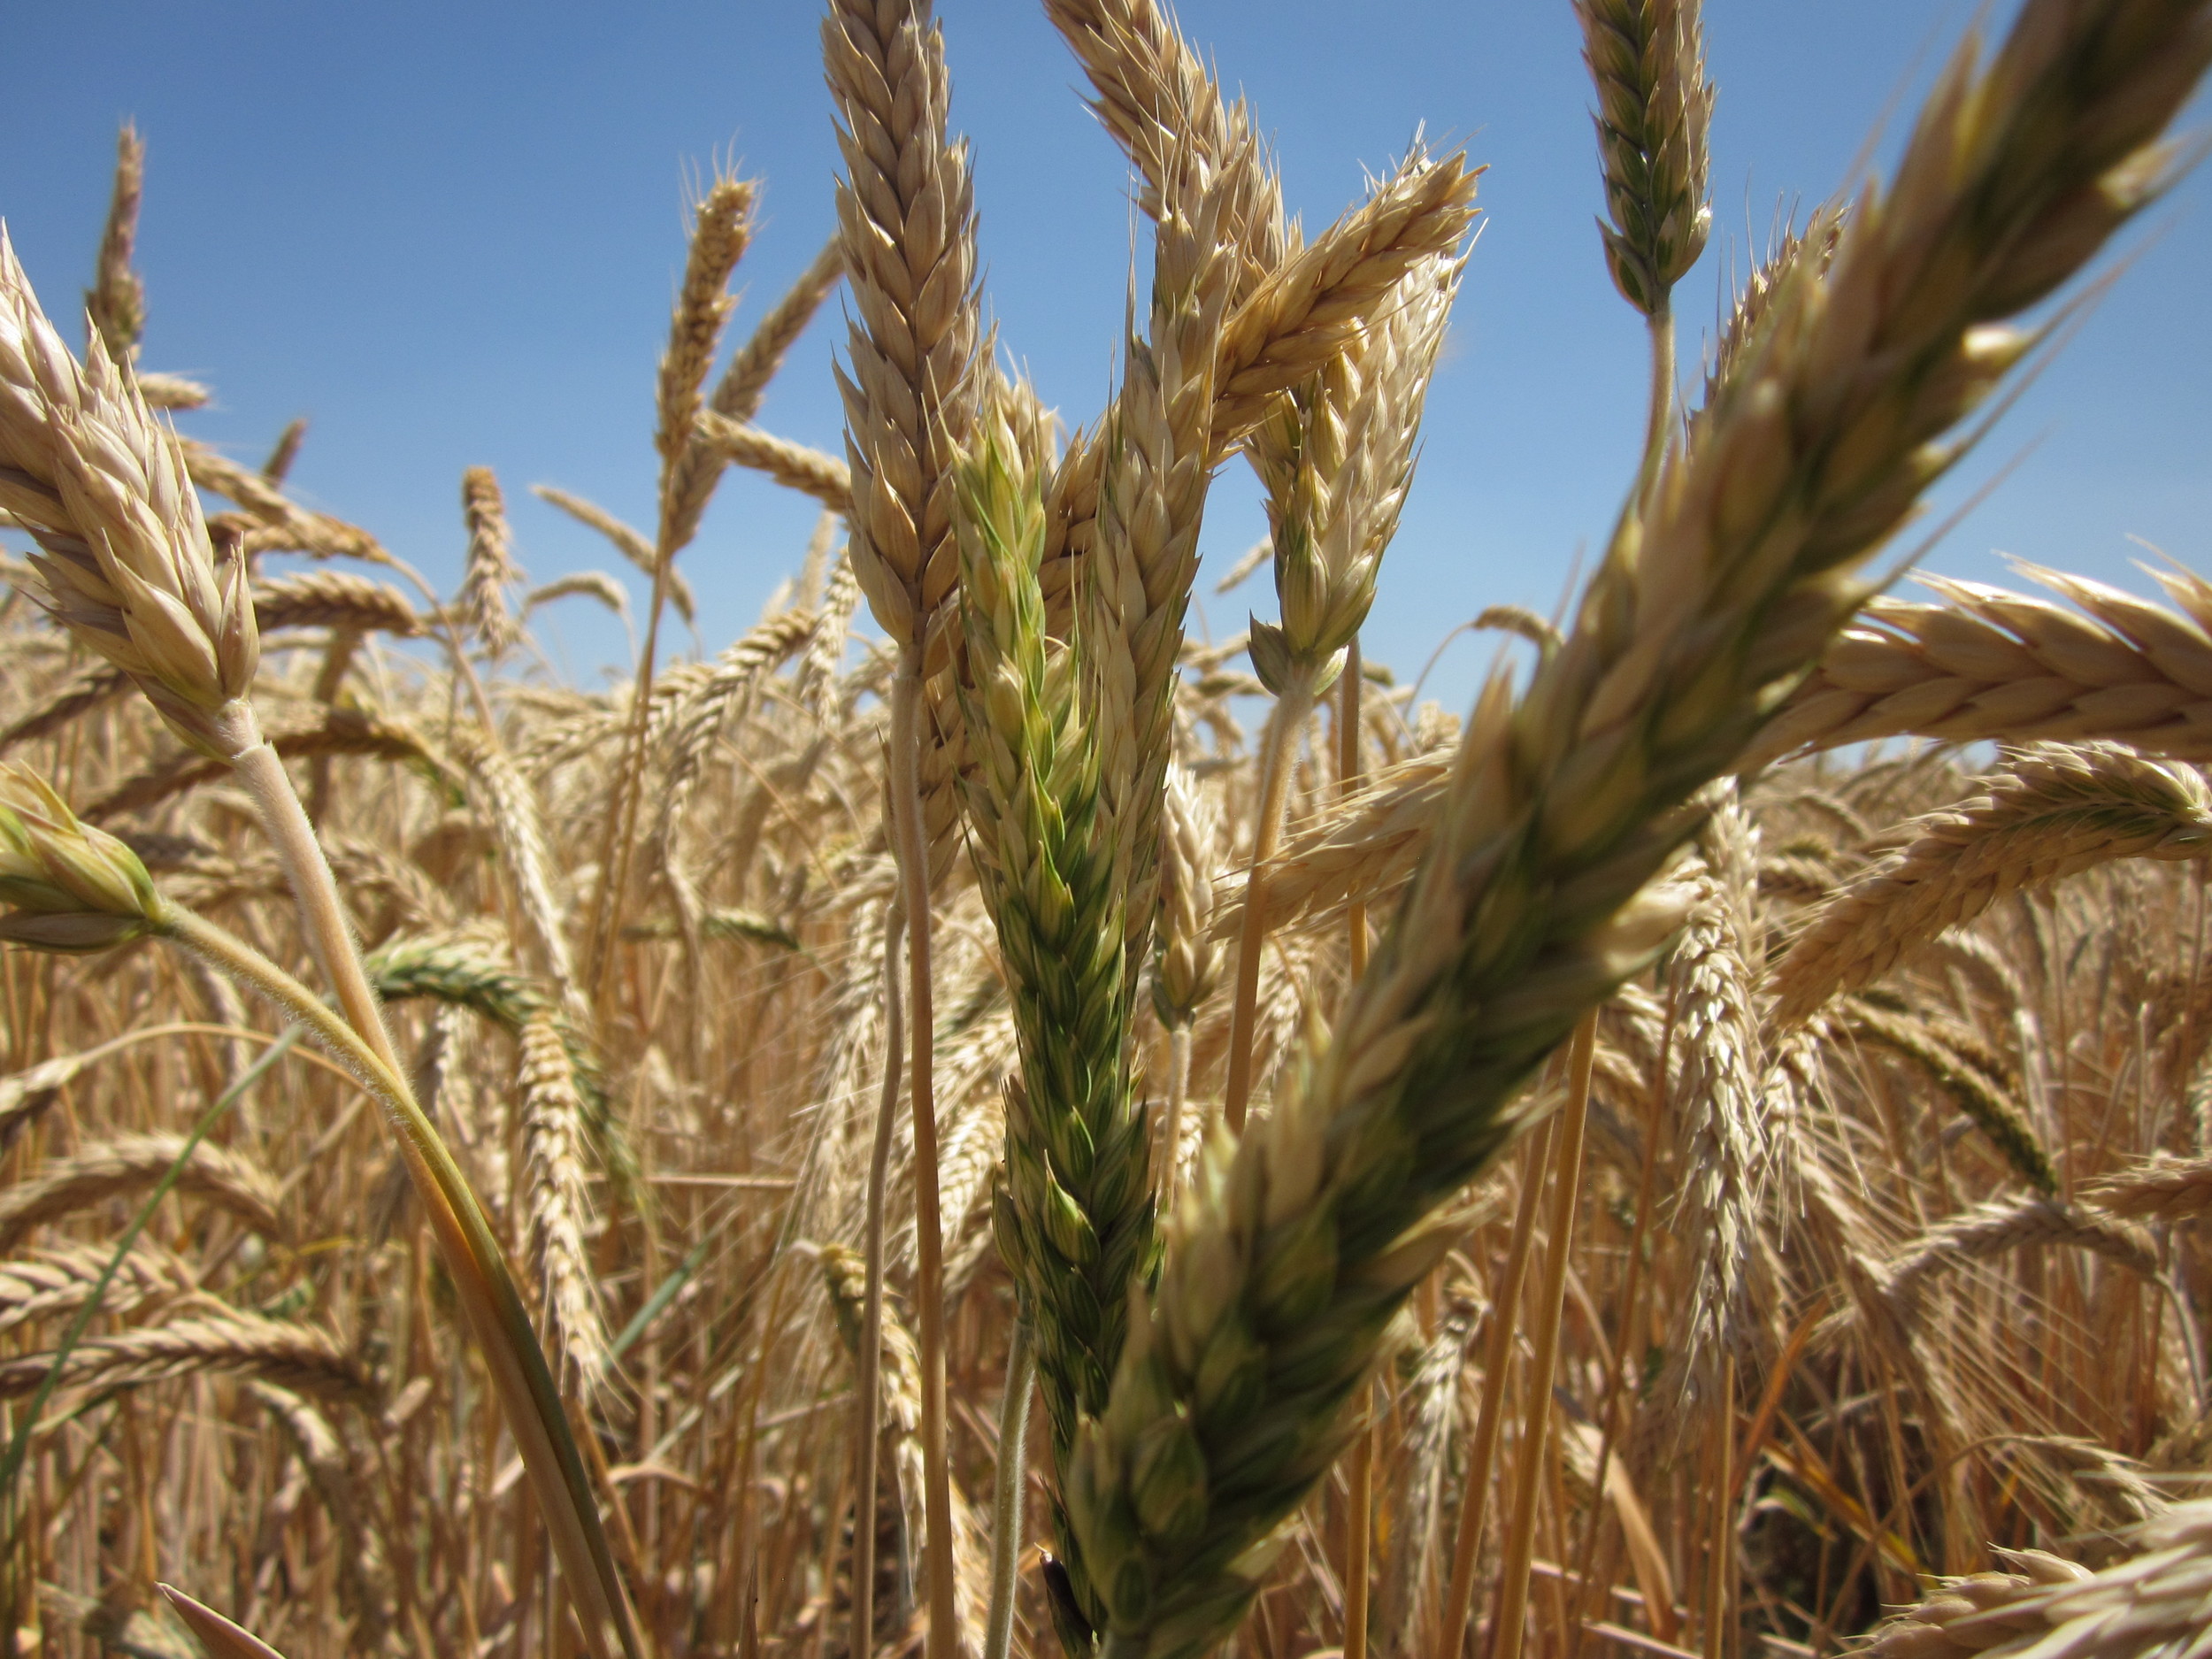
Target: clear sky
<point>448,234</point>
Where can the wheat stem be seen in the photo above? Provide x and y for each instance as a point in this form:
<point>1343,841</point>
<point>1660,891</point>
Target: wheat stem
<point>1359,1535</point>
<point>1285,722</point>
<point>929,1272</point>
<point>871,1380</point>
<point>315,890</point>
<point>1011,1486</point>
<point>1520,1539</point>
<point>1497,1354</point>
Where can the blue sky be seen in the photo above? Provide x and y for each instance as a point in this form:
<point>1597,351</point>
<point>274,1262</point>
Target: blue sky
<point>448,234</point>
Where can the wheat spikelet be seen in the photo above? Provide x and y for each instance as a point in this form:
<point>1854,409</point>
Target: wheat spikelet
<point>560,1199</point>
<point>115,304</point>
<point>1991,664</point>
<point>60,1281</point>
<point>490,568</point>
<point>62,1186</point>
<point>794,465</point>
<point>631,544</point>
<point>1289,1255</point>
<point>289,1355</point>
<point>1647,58</point>
<point>2051,812</point>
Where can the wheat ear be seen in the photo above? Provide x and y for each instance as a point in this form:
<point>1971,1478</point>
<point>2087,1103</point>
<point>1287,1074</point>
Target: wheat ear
<point>490,570</point>
<point>128,1164</point>
<point>1287,1258</point>
<point>1989,663</point>
<point>2051,812</point>
<point>560,1198</point>
<point>1647,60</point>
<point>115,304</point>
<point>2155,1601</point>
<point>1165,110</point>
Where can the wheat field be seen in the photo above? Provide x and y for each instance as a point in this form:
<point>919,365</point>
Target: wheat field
<point>968,1123</point>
